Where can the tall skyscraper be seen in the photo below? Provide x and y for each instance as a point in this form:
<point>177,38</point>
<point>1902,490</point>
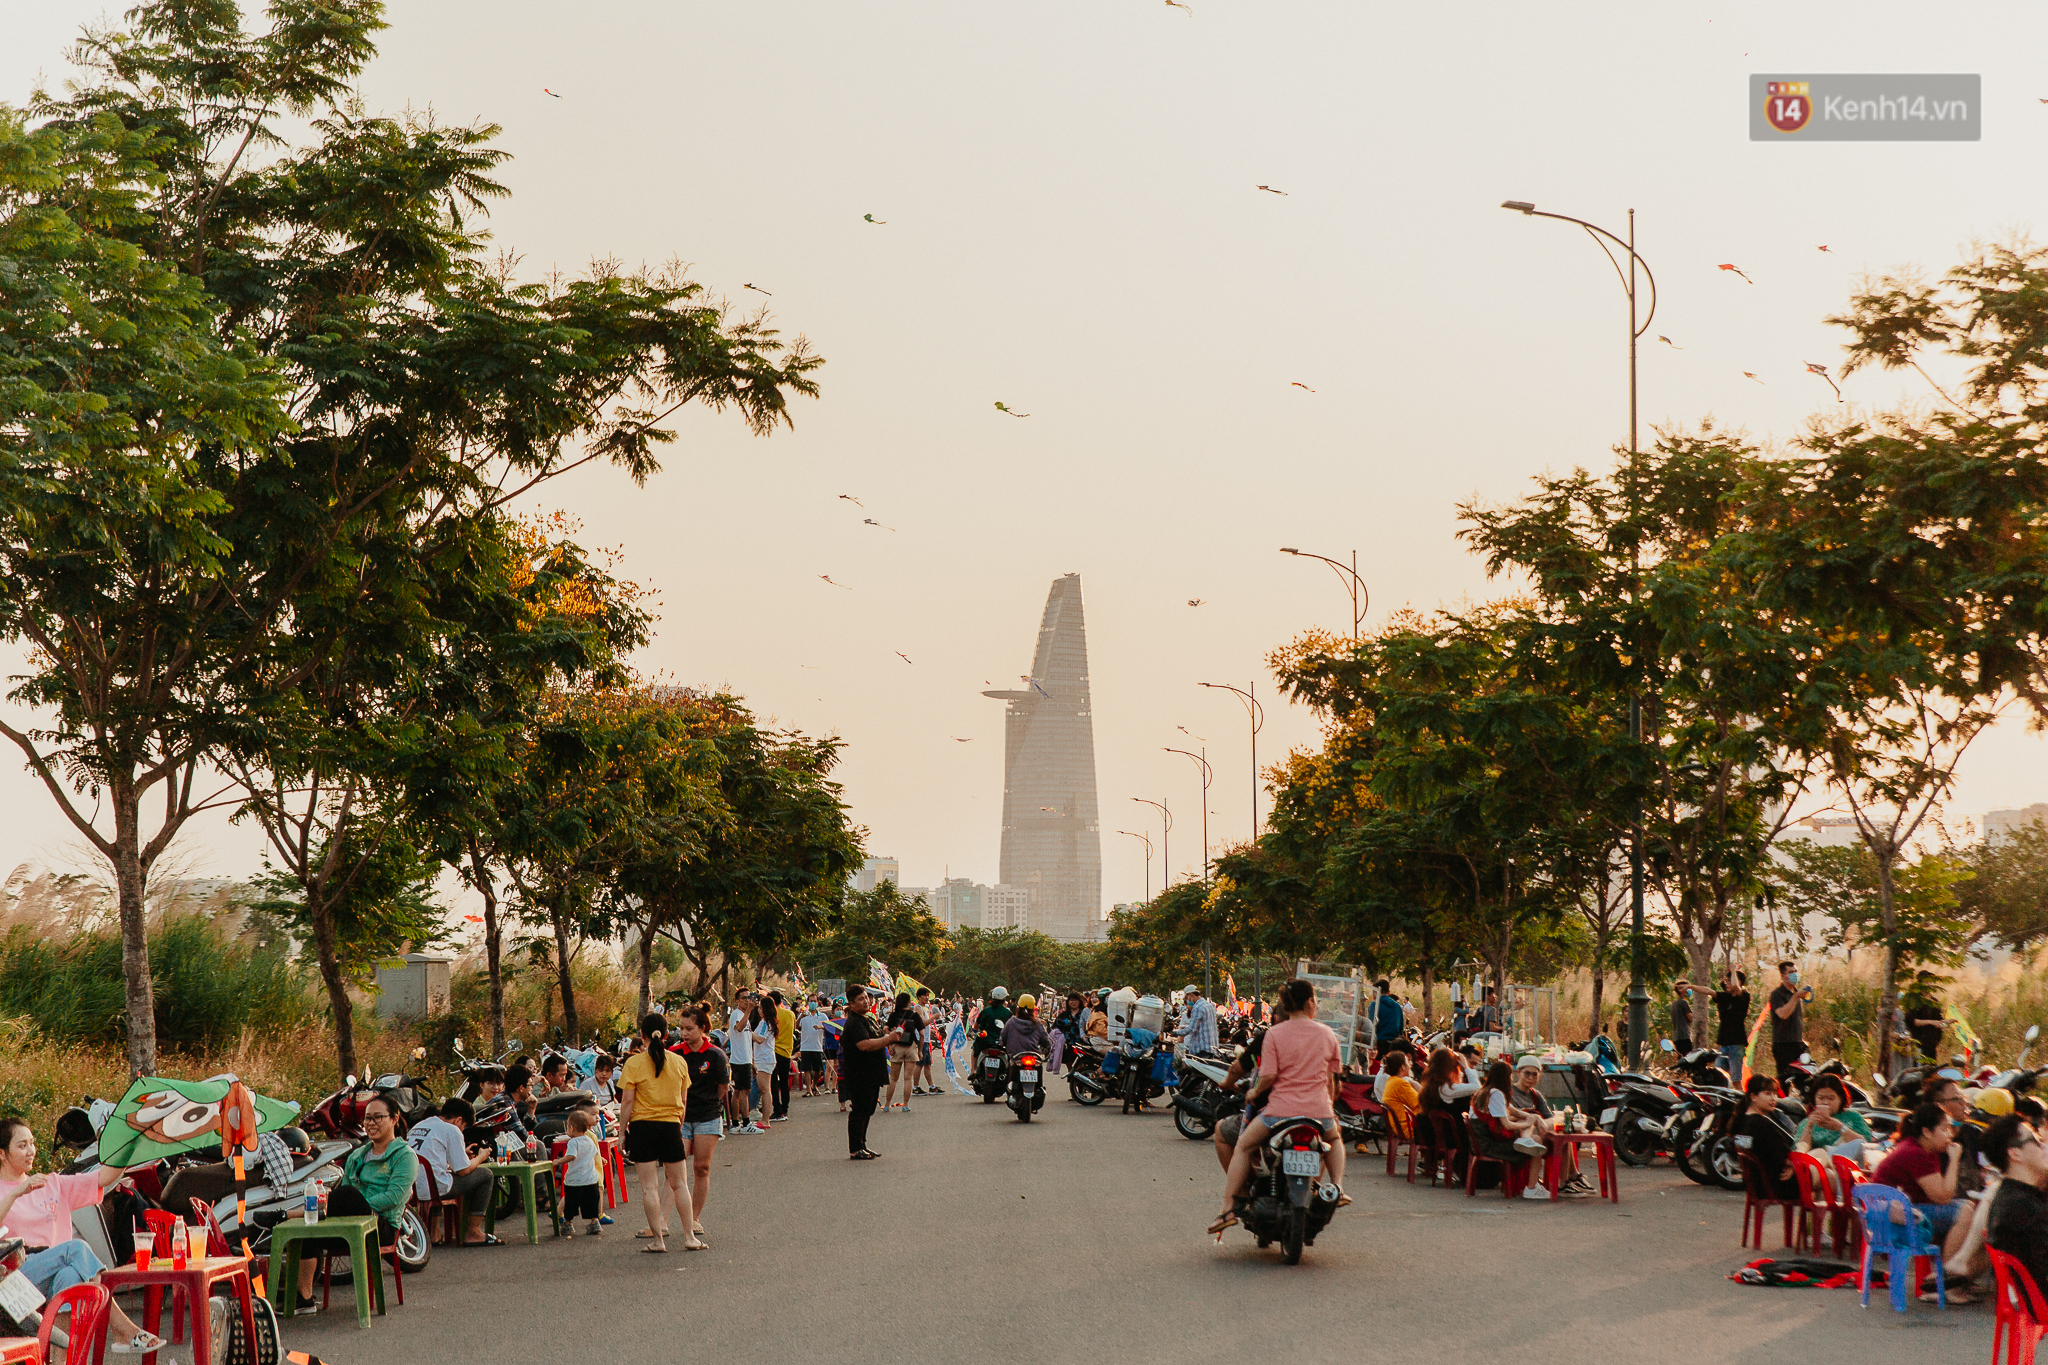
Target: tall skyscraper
<point>1052,839</point>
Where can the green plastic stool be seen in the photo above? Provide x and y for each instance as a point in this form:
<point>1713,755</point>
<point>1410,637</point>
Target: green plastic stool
<point>365,1265</point>
<point>532,1176</point>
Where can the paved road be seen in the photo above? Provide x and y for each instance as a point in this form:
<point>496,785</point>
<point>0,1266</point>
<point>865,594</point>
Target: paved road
<point>976,1237</point>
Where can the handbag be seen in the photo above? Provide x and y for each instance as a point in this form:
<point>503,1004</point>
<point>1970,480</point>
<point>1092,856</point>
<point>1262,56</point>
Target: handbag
<point>231,1346</point>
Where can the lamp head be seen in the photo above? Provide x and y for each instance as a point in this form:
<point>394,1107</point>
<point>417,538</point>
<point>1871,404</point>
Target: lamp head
<point>1518,205</point>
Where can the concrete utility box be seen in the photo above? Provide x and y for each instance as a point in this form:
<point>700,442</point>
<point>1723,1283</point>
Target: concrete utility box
<point>418,987</point>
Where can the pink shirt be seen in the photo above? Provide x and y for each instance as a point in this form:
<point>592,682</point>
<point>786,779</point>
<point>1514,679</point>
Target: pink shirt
<point>42,1218</point>
<point>1301,1055</point>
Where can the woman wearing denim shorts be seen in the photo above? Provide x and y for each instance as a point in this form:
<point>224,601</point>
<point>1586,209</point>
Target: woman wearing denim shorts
<point>703,1110</point>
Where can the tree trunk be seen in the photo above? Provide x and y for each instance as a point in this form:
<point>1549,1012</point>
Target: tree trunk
<point>1599,989</point>
<point>320,910</point>
<point>492,948</point>
<point>1428,995</point>
<point>569,1025</point>
<point>1888,995</point>
<point>131,884</point>
<point>646,968</point>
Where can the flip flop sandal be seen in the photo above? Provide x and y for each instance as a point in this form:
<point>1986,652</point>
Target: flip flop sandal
<point>1228,1220</point>
<point>654,1251</point>
<point>491,1239</point>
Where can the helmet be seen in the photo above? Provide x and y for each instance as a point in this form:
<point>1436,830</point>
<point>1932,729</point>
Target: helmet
<point>295,1140</point>
<point>1191,989</point>
<point>1000,993</point>
<point>1995,1102</point>
<point>1027,1002</point>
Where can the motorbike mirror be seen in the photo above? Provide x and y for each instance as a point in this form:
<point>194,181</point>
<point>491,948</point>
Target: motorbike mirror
<point>2033,1032</point>
<point>418,1053</point>
<point>351,1081</point>
<point>1665,1043</point>
<point>458,1044</point>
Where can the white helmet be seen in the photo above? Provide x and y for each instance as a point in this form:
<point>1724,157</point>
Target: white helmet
<point>1192,990</point>
<point>999,993</point>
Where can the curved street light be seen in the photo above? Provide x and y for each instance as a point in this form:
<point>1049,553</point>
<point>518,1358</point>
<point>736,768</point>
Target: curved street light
<point>1348,576</point>
<point>1257,713</point>
<point>1638,996</point>
<point>1146,839</point>
<point>1208,774</point>
<point>1165,847</point>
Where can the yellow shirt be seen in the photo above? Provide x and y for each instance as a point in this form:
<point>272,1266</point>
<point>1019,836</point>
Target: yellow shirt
<point>1401,1094</point>
<point>785,1030</point>
<point>658,1099</point>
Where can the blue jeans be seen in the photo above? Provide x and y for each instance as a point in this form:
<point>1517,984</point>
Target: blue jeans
<point>55,1269</point>
<point>1731,1062</point>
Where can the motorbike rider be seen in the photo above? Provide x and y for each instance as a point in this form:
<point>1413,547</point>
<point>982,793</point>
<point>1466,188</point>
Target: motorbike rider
<point>1023,1033</point>
<point>1299,1063</point>
<point>1198,1029</point>
<point>1240,1078</point>
<point>989,1024</point>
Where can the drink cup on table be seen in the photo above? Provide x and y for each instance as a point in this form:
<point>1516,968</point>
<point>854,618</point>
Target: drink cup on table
<point>143,1240</point>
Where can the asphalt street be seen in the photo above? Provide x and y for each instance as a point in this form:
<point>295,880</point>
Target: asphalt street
<point>1080,1236</point>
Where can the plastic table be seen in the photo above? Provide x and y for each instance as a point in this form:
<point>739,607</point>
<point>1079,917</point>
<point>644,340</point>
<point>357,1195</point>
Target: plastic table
<point>366,1266</point>
<point>533,1177</point>
<point>195,1282</point>
<point>1603,1155</point>
<point>20,1348</point>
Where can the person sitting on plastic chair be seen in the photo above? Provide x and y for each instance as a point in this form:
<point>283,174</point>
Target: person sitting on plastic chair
<point>2019,1211</point>
<point>1925,1164</point>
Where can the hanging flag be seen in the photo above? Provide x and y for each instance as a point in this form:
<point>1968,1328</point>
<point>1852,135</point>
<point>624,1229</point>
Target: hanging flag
<point>1233,1004</point>
<point>1964,1034</point>
<point>879,975</point>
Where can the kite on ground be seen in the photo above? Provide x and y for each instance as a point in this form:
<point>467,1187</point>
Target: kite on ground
<point>1270,190</point>
<point>828,578</point>
<point>1297,384</point>
<point>1669,342</point>
<point>848,497</point>
<point>870,521</point>
<point>759,290</point>
<point>1822,371</point>
<point>901,655</point>
<point>1747,375</point>
<point>1745,279</point>
<point>878,222</point>
<point>1000,407</point>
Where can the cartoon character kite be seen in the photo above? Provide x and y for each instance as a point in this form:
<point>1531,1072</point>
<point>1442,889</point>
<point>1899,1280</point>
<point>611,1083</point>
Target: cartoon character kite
<point>1745,279</point>
<point>1001,407</point>
<point>1822,371</point>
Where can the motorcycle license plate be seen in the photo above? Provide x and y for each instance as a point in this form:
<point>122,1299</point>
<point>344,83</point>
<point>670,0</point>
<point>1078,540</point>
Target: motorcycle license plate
<point>1300,1162</point>
<point>1027,1075</point>
<point>1607,1116</point>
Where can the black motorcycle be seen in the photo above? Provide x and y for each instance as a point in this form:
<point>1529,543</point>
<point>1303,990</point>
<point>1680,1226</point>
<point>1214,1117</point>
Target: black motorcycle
<point>1027,1085</point>
<point>1086,1083</point>
<point>991,1075</point>
<point>1284,1200</point>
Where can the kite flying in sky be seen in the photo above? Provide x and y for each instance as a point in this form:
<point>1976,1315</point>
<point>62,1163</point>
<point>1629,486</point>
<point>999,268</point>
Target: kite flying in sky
<point>1669,342</point>
<point>1822,371</point>
<point>1270,190</point>
<point>1034,682</point>
<point>1745,279</point>
<point>958,740</point>
<point>1297,384</point>
<point>828,578</point>
<point>545,91</point>
<point>870,521</point>
<point>901,655</point>
<point>1829,252</point>
<point>848,497</point>
<point>878,222</point>
<point>1196,601</point>
<point>1178,5</point>
<point>759,290</point>
<point>1747,375</point>
<point>1000,407</point>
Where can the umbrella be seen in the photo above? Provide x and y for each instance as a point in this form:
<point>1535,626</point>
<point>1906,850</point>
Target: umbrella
<point>159,1117</point>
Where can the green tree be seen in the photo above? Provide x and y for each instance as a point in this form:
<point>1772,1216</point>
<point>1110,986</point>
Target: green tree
<point>876,924</point>
<point>2007,893</point>
<point>344,276</point>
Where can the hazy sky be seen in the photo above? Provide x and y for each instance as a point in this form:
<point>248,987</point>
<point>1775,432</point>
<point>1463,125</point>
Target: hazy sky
<point>1072,228</point>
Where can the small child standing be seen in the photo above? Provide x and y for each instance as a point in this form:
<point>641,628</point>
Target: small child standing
<point>581,1181</point>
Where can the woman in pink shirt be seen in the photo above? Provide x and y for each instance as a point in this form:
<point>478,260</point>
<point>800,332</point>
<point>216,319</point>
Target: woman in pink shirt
<point>37,1209</point>
<point>1298,1065</point>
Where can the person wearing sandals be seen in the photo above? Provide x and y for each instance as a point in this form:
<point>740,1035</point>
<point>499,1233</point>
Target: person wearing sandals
<point>377,1179</point>
<point>863,1071</point>
<point>37,1209</point>
<point>1504,1133</point>
<point>702,1121</point>
<point>651,1091</point>
<point>903,1061</point>
<point>444,1157</point>
<point>1298,1066</point>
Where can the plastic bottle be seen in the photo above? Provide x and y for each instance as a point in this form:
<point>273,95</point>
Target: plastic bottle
<point>313,1202</point>
<point>178,1247</point>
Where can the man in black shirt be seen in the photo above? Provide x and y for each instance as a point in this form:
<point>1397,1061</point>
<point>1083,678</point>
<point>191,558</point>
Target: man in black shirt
<point>1788,1020</point>
<point>863,1070</point>
<point>1731,1013</point>
<point>2019,1213</point>
<point>1681,1016</point>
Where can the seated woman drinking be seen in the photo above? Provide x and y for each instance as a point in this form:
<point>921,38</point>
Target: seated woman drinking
<point>38,1208</point>
<point>1832,1128</point>
<point>1504,1133</point>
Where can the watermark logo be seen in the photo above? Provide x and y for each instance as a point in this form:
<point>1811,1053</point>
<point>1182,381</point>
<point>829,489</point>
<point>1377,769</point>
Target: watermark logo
<point>1865,107</point>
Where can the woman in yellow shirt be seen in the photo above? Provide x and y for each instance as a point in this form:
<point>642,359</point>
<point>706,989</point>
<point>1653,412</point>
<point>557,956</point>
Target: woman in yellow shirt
<point>651,1091</point>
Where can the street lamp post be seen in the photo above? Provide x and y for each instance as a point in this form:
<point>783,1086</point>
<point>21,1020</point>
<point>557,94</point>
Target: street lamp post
<point>1165,847</point>
<point>1208,773</point>
<point>1638,996</point>
<point>1147,839</point>
<point>1258,719</point>
<point>1353,584</point>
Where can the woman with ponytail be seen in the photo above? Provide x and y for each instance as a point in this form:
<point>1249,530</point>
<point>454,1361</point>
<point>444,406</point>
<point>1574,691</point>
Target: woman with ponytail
<point>651,1091</point>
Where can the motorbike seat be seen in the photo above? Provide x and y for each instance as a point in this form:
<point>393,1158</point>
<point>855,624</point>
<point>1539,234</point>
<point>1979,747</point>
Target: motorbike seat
<point>564,1100</point>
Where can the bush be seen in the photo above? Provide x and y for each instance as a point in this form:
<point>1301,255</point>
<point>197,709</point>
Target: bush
<point>209,988</point>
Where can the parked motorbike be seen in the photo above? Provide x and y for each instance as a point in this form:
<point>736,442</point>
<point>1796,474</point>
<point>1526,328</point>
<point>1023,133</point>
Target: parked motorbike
<point>340,1114</point>
<point>474,1069</point>
<point>1027,1085</point>
<point>1644,1117</point>
<point>1199,1098</point>
<point>1284,1199</point>
<point>1139,1073</point>
<point>1086,1083</point>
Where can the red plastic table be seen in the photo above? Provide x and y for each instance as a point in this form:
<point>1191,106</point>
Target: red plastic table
<point>20,1348</point>
<point>196,1282</point>
<point>1603,1159</point>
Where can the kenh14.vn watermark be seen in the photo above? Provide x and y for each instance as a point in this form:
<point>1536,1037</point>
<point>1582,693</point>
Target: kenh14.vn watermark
<point>1927,107</point>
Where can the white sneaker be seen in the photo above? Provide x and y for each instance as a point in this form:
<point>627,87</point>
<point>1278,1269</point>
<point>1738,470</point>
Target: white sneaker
<point>1536,1192</point>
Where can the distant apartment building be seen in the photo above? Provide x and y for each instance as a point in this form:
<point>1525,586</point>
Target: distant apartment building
<point>1829,831</point>
<point>2002,823</point>
<point>875,871</point>
<point>1007,907</point>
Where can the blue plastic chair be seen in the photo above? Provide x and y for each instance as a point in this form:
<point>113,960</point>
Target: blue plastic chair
<point>1903,1242</point>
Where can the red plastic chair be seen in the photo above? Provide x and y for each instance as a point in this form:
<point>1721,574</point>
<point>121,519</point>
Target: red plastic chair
<point>91,1308</point>
<point>1818,1205</point>
<point>163,1225</point>
<point>2022,1316</point>
<point>449,1210</point>
<point>1440,1152</point>
<point>1758,1201</point>
<point>1514,1175</point>
<point>1401,1133</point>
<point>217,1241</point>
